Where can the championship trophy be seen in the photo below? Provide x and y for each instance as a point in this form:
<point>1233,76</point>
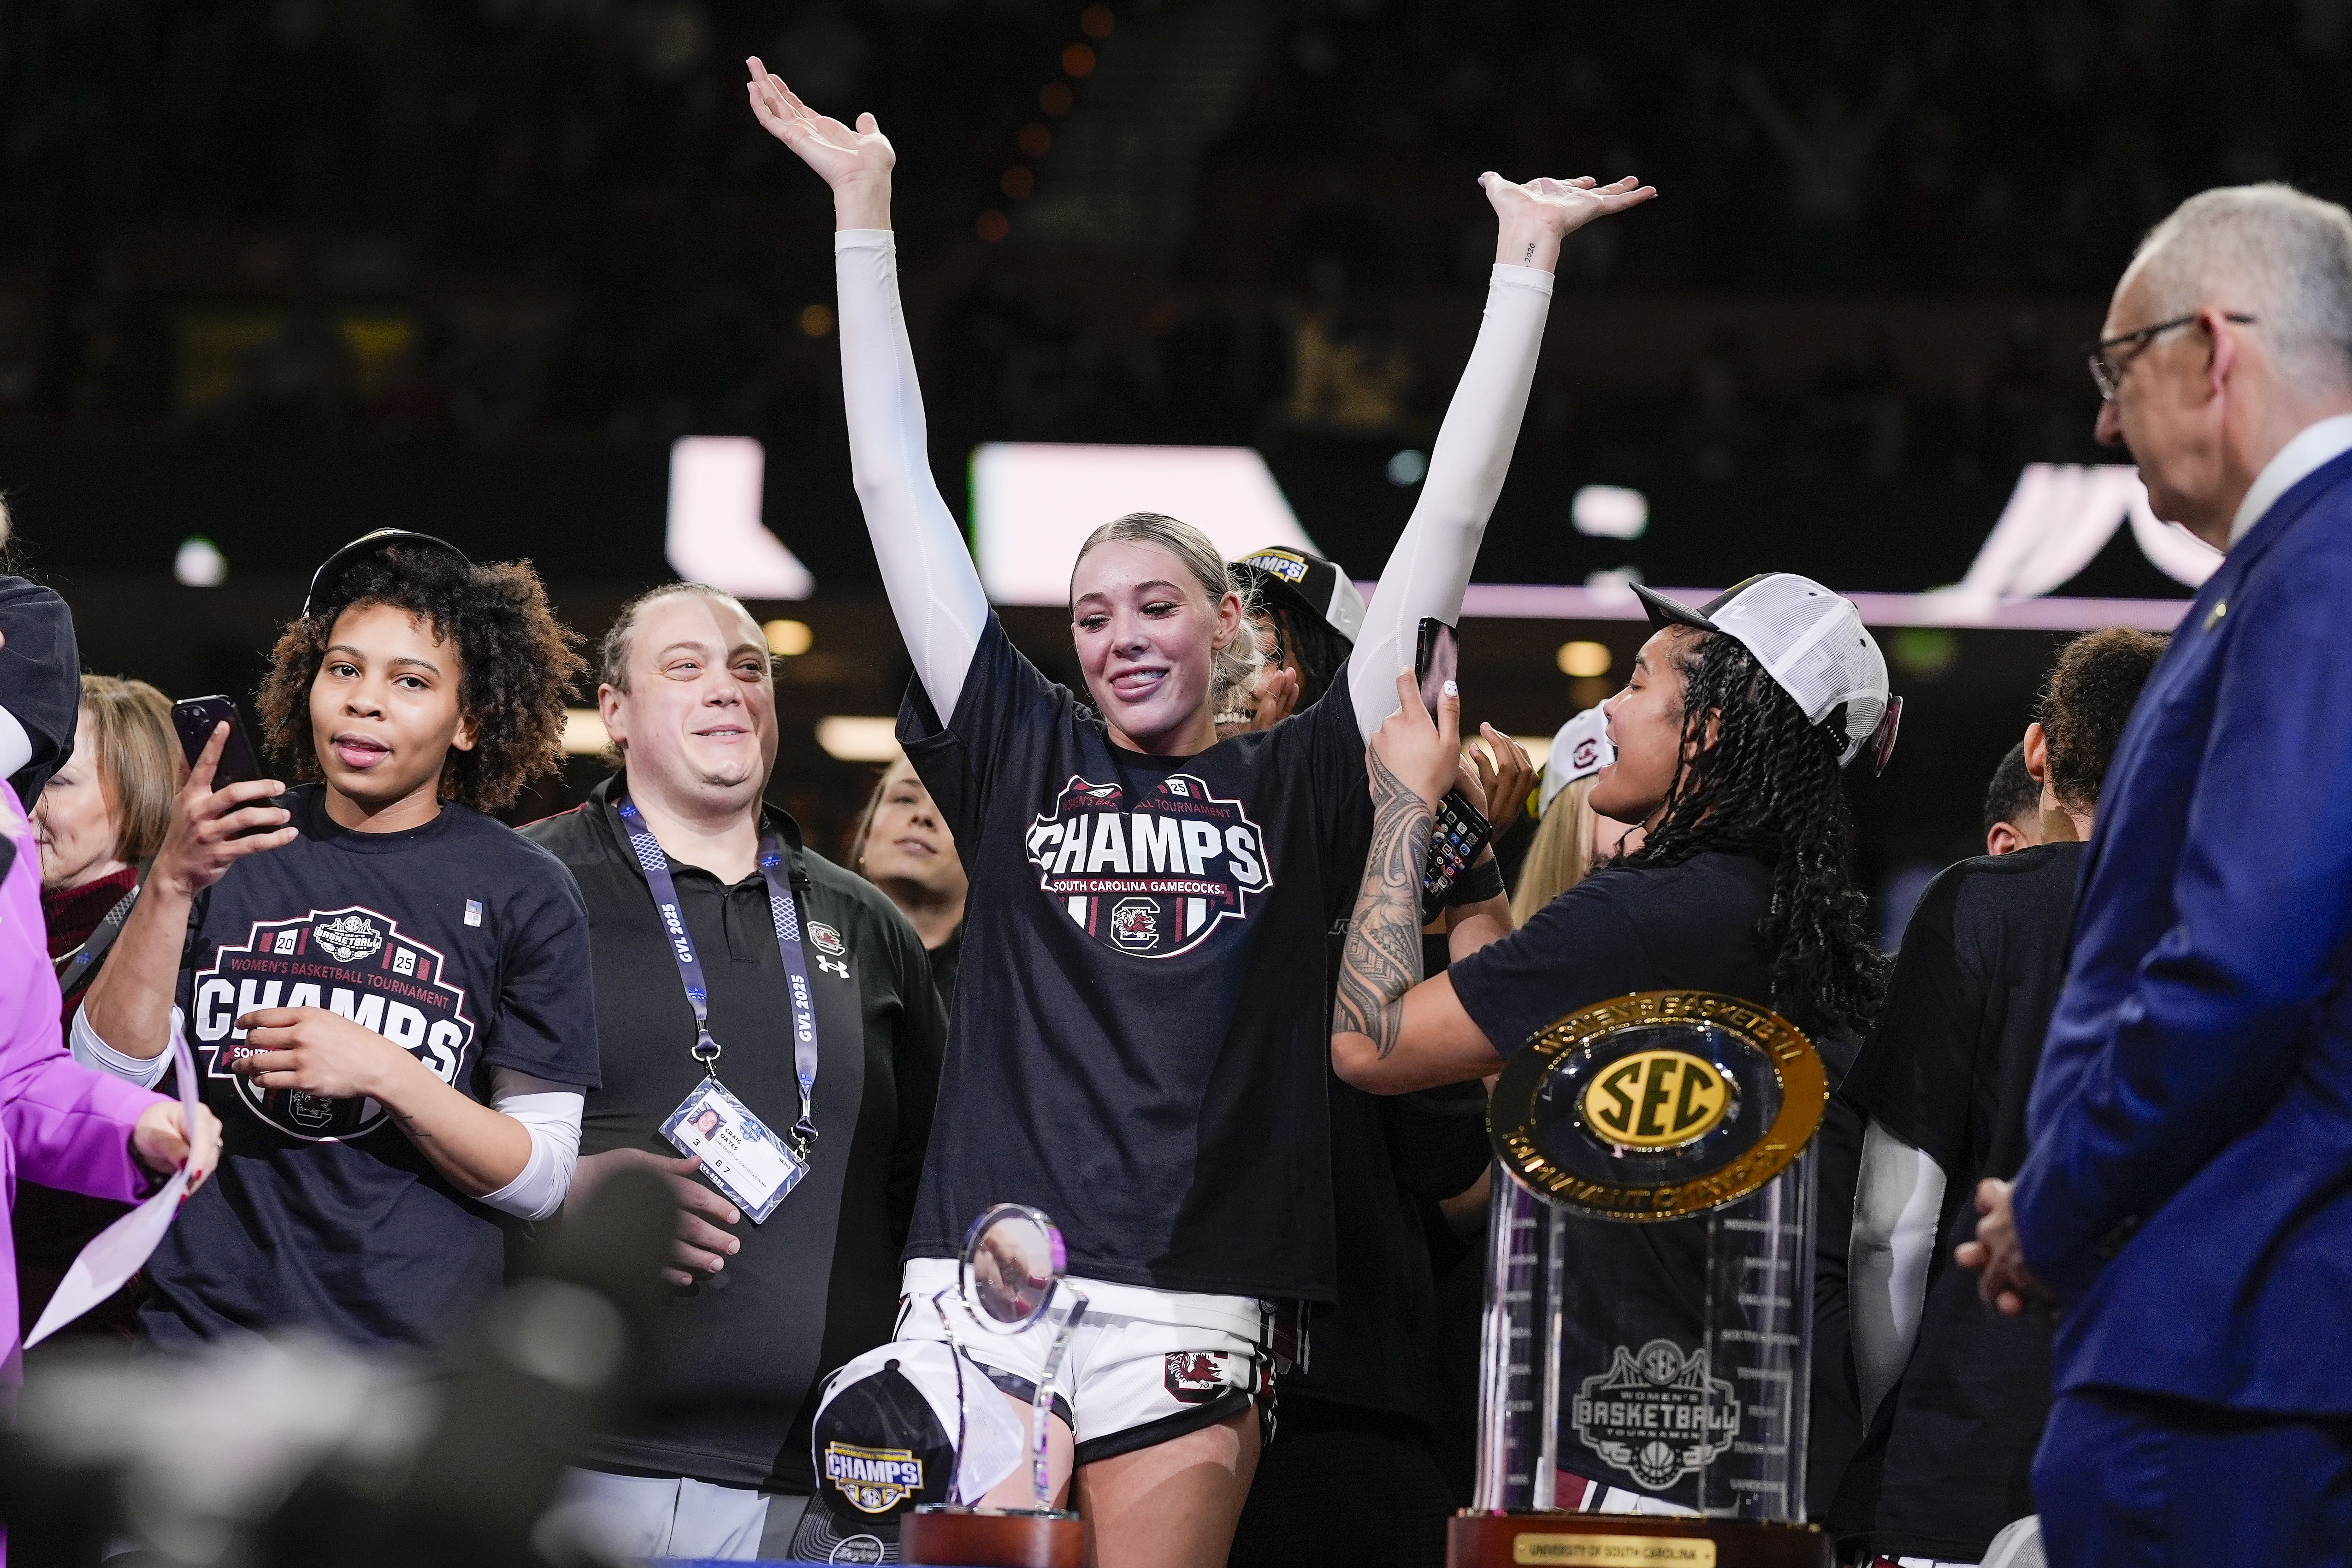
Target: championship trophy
<point>1008,1278</point>
<point>1646,1351</point>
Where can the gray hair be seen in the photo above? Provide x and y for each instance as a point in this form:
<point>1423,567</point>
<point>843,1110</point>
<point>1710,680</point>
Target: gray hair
<point>2280,256</point>
<point>1235,668</point>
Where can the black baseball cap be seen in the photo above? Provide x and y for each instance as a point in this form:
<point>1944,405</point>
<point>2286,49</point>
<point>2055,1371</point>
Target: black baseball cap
<point>1308,583</point>
<point>329,575</point>
<point>881,1447</point>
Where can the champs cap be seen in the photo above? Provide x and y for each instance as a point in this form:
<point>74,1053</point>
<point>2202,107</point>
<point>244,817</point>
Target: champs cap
<point>1580,749</point>
<point>1809,640</point>
<point>1311,583</point>
<point>885,1441</point>
<point>330,576</point>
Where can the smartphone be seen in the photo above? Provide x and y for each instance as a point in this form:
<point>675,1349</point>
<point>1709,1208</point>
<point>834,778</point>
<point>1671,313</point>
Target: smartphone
<point>195,718</point>
<point>1436,653</point>
<point>1460,830</point>
<point>1456,835</point>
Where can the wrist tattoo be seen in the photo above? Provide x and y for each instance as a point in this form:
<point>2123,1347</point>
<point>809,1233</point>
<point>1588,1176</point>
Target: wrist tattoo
<point>1530,256</point>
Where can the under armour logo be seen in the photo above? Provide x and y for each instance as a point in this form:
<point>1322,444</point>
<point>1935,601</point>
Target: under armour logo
<point>833,967</point>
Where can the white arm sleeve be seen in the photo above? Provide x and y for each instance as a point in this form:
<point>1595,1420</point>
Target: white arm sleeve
<point>550,1113</point>
<point>1431,564</point>
<point>934,589</point>
<point>100,1057</point>
<point>1897,1204</point>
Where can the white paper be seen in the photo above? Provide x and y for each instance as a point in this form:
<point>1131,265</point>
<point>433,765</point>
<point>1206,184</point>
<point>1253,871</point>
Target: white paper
<point>117,1253</point>
<point>995,1442</point>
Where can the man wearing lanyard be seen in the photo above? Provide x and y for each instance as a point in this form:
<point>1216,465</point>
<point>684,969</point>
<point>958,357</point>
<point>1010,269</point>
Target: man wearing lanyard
<point>770,1043</point>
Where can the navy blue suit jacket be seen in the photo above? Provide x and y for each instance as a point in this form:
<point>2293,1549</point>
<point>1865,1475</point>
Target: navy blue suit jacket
<point>2188,1192</point>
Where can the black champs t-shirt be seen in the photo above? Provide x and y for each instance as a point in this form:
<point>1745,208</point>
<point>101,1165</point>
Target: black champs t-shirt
<point>1141,1036</point>
<point>1948,1071</point>
<point>459,941</point>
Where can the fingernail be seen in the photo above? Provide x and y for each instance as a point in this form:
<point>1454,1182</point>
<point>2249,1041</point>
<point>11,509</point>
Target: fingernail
<point>1451,690</point>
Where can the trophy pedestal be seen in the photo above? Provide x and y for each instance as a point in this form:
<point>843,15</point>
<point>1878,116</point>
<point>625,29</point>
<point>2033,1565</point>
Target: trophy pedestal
<point>970,1539</point>
<point>1476,1540</point>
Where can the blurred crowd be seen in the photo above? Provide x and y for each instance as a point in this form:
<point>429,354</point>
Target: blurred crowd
<point>524,221</point>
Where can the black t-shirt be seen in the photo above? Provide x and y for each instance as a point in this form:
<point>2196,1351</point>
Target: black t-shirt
<point>1948,1071</point>
<point>461,941</point>
<point>1626,928</point>
<point>731,1391</point>
<point>1140,1043</point>
<point>947,962</point>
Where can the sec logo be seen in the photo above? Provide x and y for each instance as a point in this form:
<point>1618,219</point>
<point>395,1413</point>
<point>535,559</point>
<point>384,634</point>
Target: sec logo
<point>1657,1099</point>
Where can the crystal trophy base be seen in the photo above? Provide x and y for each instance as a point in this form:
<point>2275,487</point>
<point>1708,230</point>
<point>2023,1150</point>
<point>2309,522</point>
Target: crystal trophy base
<point>970,1538</point>
<point>1646,1348</point>
<point>1476,1540</point>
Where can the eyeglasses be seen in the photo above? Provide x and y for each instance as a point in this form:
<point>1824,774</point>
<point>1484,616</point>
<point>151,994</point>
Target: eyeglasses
<point>2108,373</point>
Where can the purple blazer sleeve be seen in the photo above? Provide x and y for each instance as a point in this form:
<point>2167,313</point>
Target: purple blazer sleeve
<point>66,1126</point>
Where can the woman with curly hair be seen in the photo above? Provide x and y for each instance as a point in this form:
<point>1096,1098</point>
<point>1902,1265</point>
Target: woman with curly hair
<point>387,991</point>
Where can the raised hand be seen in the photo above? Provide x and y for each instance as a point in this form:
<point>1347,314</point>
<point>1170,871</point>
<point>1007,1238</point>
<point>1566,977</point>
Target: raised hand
<point>211,829</point>
<point>849,160</point>
<point>1537,215</point>
<point>1414,751</point>
<point>1506,774</point>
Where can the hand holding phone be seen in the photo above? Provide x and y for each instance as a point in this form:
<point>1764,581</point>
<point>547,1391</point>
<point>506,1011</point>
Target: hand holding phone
<point>217,819</point>
<point>196,720</point>
<point>1460,830</point>
<point>1436,652</point>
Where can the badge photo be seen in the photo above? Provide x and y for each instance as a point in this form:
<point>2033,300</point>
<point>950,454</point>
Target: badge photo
<point>753,1167</point>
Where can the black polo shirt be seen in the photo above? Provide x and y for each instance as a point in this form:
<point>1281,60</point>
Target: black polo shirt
<point>733,1389</point>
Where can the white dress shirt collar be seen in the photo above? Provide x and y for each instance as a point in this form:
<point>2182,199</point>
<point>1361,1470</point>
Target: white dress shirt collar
<point>2317,443</point>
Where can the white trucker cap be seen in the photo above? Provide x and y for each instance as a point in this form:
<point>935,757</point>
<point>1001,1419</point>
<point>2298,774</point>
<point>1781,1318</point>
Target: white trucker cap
<point>1580,750</point>
<point>1809,640</point>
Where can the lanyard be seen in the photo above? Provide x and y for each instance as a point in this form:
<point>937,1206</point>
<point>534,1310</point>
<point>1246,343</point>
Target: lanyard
<point>787,916</point>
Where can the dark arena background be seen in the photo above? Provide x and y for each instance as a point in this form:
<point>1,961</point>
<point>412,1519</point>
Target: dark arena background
<point>274,272</point>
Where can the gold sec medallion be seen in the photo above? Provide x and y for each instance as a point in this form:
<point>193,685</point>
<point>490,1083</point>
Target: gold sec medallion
<point>1657,1100</point>
<point>1657,1105</point>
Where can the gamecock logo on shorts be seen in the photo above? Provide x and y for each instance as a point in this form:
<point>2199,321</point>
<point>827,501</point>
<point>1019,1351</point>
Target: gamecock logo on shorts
<point>1154,876</point>
<point>1196,1376</point>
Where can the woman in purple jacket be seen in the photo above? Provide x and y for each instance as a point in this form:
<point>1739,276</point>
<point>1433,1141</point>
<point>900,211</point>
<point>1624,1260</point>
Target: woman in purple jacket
<point>61,1124</point>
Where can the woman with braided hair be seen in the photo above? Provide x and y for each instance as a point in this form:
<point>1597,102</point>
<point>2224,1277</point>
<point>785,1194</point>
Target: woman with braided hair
<point>1731,738</point>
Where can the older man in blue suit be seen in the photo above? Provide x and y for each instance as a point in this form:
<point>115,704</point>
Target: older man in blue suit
<point>2187,1206</point>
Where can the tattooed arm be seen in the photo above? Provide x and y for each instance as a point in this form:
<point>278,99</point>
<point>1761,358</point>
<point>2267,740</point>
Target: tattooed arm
<point>1382,959</point>
<point>1391,1031</point>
